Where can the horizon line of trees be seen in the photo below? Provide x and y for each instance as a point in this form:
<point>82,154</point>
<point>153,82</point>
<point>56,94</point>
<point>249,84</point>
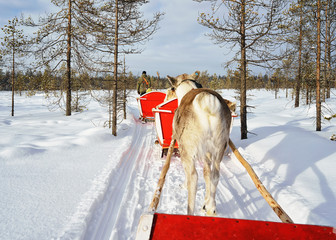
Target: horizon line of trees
<point>47,81</point>
<point>294,40</point>
<point>79,36</point>
<point>293,35</point>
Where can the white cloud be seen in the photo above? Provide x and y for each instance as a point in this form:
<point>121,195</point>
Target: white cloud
<point>14,8</point>
<point>178,46</point>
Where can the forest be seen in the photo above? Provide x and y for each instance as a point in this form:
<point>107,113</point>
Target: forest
<point>83,46</point>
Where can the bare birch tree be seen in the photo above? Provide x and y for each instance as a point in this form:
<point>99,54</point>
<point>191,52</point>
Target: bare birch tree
<point>63,36</point>
<point>252,25</point>
<point>299,70</point>
<point>318,67</point>
<point>124,28</point>
<point>329,38</point>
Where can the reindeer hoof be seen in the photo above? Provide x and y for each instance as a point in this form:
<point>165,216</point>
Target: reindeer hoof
<point>204,210</point>
<point>209,212</point>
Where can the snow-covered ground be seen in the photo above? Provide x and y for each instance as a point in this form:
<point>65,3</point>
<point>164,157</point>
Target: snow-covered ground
<point>69,178</point>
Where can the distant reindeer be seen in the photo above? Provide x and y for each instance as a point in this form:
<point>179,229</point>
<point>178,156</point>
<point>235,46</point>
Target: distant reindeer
<point>170,94</point>
<point>201,126</point>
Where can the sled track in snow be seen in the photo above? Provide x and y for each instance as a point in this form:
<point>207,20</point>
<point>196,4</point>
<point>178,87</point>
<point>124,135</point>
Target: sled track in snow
<point>119,203</point>
<point>133,182</point>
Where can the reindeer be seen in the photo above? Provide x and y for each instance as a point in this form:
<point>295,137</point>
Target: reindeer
<point>201,126</point>
<point>170,94</point>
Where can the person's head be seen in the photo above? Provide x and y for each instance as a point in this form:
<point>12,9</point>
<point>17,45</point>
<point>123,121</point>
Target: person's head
<point>144,72</point>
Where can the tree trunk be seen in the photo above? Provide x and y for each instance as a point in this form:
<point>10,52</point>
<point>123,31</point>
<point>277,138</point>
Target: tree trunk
<point>68,74</point>
<point>318,59</point>
<point>287,84</point>
<point>243,112</point>
<point>115,83</point>
<point>298,81</point>
<point>110,104</point>
<point>13,76</point>
<point>328,54</point>
<point>323,80</point>
<point>307,94</point>
<point>158,75</point>
<point>124,95</point>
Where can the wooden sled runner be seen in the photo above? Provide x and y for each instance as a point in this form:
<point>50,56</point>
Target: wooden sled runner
<point>164,226</point>
<point>147,102</point>
<point>164,115</point>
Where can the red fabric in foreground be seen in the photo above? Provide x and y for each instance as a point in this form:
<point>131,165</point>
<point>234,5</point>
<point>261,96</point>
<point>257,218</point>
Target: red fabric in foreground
<point>196,227</point>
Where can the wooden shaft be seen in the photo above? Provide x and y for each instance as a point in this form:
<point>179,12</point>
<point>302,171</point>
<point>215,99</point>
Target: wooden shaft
<point>156,198</point>
<point>268,197</point>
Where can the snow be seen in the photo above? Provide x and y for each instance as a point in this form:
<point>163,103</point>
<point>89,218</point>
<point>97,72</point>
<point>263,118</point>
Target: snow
<point>69,178</point>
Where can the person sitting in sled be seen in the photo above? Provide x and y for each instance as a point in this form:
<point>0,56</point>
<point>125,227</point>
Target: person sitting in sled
<point>144,84</point>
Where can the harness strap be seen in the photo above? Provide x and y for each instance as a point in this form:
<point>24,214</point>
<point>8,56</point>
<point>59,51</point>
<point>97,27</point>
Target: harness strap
<point>198,85</point>
<point>145,81</point>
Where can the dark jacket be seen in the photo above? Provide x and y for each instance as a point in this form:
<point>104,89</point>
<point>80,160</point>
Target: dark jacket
<point>143,84</point>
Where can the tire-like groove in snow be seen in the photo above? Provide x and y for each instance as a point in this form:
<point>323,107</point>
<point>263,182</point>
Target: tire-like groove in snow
<point>105,218</point>
<point>133,182</point>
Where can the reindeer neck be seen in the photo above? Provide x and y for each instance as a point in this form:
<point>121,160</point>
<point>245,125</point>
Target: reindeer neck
<point>182,89</point>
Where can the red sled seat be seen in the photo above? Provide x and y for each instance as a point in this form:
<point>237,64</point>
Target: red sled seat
<point>164,115</point>
<point>147,102</point>
<point>165,226</point>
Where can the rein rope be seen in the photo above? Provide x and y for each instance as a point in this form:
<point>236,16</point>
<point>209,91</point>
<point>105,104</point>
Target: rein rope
<point>198,85</point>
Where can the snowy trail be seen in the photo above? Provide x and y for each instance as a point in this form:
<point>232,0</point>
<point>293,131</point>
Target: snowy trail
<point>122,206</point>
<point>69,178</point>
<point>104,220</point>
<point>134,179</point>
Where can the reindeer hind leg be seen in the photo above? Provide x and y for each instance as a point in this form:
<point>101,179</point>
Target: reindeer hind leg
<point>210,206</point>
<point>191,177</point>
<point>207,179</point>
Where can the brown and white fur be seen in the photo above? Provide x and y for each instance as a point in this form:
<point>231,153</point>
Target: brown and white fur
<point>201,127</point>
<point>170,94</point>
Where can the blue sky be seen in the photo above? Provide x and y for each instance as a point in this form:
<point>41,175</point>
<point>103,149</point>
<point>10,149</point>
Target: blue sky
<point>179,46</point>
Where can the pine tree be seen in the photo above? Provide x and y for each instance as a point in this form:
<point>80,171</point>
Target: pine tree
<point>12,46</point>
<point>64,36</point>
<point>123,29</point>
<point>318,68</point>
<point>253,26</point>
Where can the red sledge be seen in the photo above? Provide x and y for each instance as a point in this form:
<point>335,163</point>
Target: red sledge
<point>164,115</point>
<point>154,226</point>
<point>147,102</point>
<point>165,226</point>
